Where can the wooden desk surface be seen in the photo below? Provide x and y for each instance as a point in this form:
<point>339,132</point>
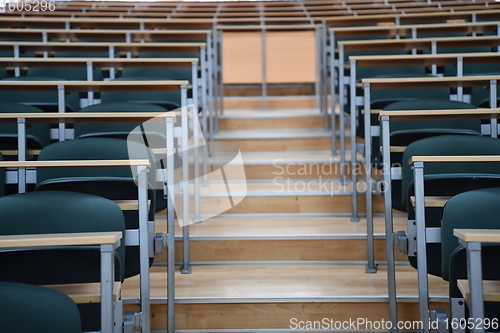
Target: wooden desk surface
<point>405,30</point>
<point>412,17</point>
<point>206,23</point>
<point>74,34</point>
<point>440,114</point>
<point>75,164</point>
<point>455,159</point>
<point>88,238</point>
<point>439,59</point>
<point>98,62</point>
<point>478,235</point>
<point>491,290</point>
<point>95,86</point>
<point>420,43</point>
<point>120,47</point>
<point>87,117</point>
<point>430,82</point>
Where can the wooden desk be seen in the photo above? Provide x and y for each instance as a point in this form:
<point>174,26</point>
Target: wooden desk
<point>472,239</point>
<point>108,34</point>
<point>108,241</point>
<point>415,30</point>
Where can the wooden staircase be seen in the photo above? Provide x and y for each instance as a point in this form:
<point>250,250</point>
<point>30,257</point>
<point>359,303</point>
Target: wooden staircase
<point>288,253</point>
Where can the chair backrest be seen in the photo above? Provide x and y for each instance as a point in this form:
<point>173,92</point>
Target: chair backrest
<point>57,212</point>
<point>47,101</point>
<point>380,98</point>
<point>478,209</point>
<point>168,99</point>
<point>38,135</point>
<point>449,145</point>
<point>432,104</point>
<point>114,130</point>
<point>480,95</point>
<point>405,132</point>
<point>27,308</point>
<point>111,183</point>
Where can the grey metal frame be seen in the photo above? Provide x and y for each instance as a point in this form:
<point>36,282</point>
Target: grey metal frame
<point>421,230</point>
<point>337,64</point>
<point>475,274</point>
<point>144,241</point>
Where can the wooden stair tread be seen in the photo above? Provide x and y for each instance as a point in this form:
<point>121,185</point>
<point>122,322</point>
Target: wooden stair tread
<point>270,226</point>
<point>491,290</point>
<point>280,283</point>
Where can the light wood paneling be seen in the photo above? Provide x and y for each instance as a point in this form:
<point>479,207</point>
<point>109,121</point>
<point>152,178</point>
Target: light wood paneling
<point>291,57</point>
<point>241,52</point>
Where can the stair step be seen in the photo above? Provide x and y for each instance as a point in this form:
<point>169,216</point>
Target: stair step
<point>293,238</point>
<point>269,119</point>
<point>269,296</point>
<point>272,102</point>
<point>281,140</point>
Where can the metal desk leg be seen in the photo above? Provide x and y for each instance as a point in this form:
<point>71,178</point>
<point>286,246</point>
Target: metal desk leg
<point>61,105</point>
<point>186,265</point>
<point>423,283</point>
<point>170,229</point>
<point>352,99</point>
<point>370,267</point>
<point>21,153</point>
<point>142,175</point>
<point>107,280</point>
<point>475,274</point>
<point>389,245</point>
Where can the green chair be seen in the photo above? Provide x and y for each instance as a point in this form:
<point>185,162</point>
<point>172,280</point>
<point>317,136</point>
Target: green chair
<point>59,212</point>
<point>169,100</point>
<point>447,179</point>
<point>120,131</point>
<point>47,101</point>
<point>111,183</point>
<point>480,96</point>
<point>114,130</point>
<point>402,133</point>
<point>380,98</point>
<point>38,135</point>
<point>477,209</point>
<point>27,308</point>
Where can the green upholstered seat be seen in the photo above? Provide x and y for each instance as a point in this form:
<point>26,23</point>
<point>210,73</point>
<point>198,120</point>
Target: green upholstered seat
<point>59,212</point>
<point>38,135</point>
<point>477,209</point>
<point>447,179</point>
<point>169,99</point>
<point>114,130</point>
<point>27,308</point>
<point>111,183</point>
<point>402,133</point>
<point>47,101</point>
